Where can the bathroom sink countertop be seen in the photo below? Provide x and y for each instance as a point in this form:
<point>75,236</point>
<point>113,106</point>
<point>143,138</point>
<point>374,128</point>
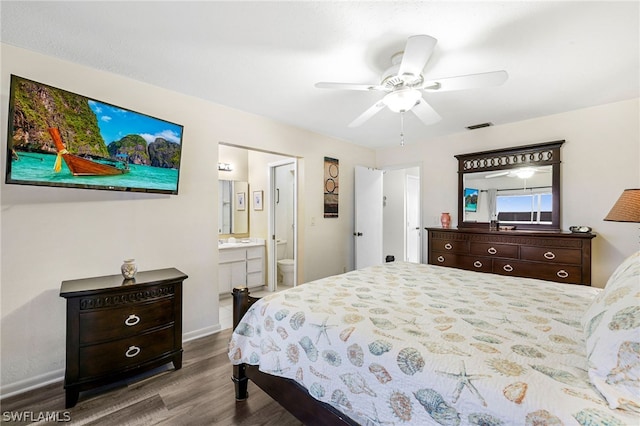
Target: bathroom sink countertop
<point>249,242</point>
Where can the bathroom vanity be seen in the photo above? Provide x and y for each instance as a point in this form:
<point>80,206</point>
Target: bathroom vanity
<point>241,264</point>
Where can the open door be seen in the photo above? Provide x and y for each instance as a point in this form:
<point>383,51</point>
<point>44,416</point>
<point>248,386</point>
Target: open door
<point>368,217</point>
<point>414,238</point>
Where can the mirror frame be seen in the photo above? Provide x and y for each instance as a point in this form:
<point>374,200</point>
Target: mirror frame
<point>542,154</point>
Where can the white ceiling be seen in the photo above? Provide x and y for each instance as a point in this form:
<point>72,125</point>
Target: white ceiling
<point>265,57</point>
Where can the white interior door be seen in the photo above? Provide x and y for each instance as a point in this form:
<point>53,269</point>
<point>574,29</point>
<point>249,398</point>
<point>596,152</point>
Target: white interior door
<point>413,219</point>
<point>368,217</point>
<point>283,216</point>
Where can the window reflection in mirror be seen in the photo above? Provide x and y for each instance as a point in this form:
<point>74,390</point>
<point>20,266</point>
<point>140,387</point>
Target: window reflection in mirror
<point>233,211</point>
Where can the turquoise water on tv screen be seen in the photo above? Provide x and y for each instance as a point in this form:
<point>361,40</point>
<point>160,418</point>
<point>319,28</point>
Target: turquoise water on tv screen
<point>38,168</point>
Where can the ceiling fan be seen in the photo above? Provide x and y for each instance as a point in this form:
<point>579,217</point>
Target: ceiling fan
<point>403,83</point>
<point>522,172</point>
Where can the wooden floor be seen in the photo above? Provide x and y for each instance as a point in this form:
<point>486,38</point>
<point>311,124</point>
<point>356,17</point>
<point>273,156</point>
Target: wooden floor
<point>201,393</point>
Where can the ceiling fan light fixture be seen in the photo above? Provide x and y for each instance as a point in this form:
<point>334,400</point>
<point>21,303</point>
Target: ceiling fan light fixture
<point>525,173</point>
<point>402,100</point>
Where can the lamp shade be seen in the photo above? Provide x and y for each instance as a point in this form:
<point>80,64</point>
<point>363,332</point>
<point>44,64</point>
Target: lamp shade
<point>627,208</point>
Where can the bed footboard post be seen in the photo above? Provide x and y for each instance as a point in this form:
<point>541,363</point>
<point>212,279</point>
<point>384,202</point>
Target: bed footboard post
<point>241,303</point>
<point>240,381</point>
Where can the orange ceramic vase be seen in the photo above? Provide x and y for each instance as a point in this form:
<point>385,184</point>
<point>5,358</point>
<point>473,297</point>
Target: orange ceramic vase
<point>445,220</point>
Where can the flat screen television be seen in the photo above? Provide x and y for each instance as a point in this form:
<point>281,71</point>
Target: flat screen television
<point>62,139</point>
<point>470,200</point>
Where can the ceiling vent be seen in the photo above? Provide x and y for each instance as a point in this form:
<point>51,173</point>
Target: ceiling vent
<point>479,126</point>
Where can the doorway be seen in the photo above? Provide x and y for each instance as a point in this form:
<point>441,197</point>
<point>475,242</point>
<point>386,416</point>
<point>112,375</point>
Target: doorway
<point>396,200</point>
<point>283,224</point>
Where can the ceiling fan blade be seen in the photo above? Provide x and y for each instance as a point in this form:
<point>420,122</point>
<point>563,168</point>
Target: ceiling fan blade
<point>471,81</point>
<point>373,110</point>
<point>348,86</point>
<point>425,112</point>
<point>498,174</point>
<point>416,54</point>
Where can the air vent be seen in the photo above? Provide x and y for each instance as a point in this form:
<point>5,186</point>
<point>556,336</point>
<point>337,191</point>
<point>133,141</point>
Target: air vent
<point>479,126</point>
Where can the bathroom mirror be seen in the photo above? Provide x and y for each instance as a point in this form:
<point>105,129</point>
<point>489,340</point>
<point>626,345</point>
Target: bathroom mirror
<point>233,207</point>
<point>520,187</point>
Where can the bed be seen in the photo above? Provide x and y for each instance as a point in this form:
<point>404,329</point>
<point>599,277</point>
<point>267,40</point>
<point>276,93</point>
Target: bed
<point>407,344</point>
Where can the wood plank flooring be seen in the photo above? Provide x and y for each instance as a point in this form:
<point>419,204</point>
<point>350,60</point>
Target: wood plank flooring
<point>200,393</point>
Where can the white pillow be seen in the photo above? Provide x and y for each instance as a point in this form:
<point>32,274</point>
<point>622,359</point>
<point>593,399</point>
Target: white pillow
<point>612,331</point>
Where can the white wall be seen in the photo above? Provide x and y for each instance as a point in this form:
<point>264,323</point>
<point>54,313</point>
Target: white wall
<point>53,234</point>
<point>600,158</point>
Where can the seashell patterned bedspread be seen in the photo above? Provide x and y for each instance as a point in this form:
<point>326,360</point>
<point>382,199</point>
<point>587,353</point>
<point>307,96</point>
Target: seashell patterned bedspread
<point>415,344</point>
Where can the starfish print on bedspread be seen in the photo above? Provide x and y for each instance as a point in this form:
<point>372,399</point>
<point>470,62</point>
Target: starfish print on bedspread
<point>322,330</point>
<point>465,379</point>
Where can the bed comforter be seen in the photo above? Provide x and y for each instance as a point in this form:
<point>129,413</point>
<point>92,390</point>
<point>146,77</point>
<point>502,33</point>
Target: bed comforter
<point>419,344</point>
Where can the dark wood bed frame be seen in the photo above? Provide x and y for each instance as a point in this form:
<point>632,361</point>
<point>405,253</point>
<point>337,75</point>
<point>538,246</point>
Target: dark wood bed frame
<point>293,397</point>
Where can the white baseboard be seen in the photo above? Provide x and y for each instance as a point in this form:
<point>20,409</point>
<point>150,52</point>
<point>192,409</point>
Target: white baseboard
<point>32,383</point>
<point>58,375</point>
<point>196,334</point>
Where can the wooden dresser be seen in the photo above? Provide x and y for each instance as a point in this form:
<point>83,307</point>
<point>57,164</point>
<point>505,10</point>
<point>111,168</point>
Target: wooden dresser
<point>553,256</point>
<point>116,329</point>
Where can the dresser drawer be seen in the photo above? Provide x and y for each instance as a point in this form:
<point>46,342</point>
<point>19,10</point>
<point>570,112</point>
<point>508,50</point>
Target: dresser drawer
<point>549,254</point>
<point>100,359</point>
<point>106,324</point>
<point>470,263</point>
<point>494,250</point>
<point>450,246</point>
<point>551,272</point>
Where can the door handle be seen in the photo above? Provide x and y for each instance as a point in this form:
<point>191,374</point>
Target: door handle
<point>357,234</point>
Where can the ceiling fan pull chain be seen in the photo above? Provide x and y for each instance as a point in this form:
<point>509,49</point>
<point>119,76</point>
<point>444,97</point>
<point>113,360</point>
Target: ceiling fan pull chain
<point>402,128</point>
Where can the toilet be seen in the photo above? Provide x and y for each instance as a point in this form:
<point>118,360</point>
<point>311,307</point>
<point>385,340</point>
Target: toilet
<point>285,266</point>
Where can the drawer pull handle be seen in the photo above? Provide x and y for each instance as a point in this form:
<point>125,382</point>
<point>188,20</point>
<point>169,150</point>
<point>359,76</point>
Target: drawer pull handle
<point>477,264</point>
<point>440,259</point>
<point>508,268</point>
<point>448,246</point>
<point>132,351</point>
<point>549,255</point>
<point>132,320</point>
<point>562,273</point>
<point>491,250</point>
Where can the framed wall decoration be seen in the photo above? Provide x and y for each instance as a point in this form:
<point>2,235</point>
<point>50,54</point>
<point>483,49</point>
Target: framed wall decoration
<point>331,172</point>
<point>257,200</point>
<point>240,201</point>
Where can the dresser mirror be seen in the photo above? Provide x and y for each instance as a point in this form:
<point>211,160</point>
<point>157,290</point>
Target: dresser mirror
<point>233,213</point>
<point>518,187</point>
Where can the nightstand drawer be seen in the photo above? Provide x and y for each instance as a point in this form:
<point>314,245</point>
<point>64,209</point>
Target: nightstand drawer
<point>494,250</point>
<point>108,324</point>
<point>124,353</point>
<point>551,254</point>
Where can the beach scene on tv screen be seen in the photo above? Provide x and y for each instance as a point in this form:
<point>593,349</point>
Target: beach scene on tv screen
<point>60,138</point>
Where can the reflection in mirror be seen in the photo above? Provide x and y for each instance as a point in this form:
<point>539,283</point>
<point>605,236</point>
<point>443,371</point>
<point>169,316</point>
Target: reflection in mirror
<point>513,197</point>
<point>233,213</point>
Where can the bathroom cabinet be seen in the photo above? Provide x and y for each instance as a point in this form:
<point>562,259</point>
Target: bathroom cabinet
<point>241,266</point>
